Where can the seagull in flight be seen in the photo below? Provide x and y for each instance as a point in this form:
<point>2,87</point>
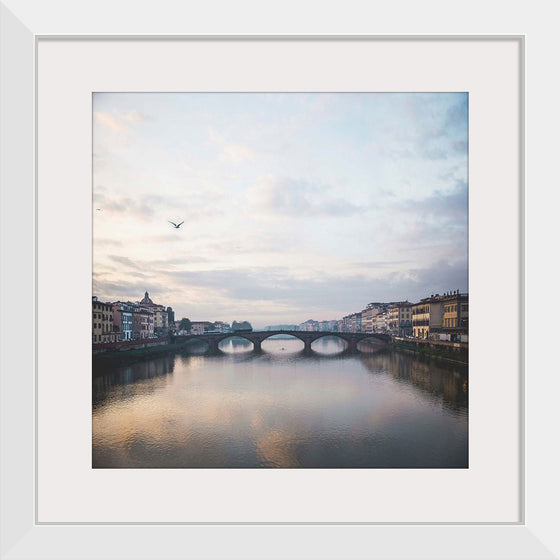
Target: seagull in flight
<point>176,226</point>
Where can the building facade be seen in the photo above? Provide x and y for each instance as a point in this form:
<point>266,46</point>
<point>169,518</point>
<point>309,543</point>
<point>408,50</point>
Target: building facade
<point>102,322</point>
<point>368,318</point>
<point>382,322</point>
<point>427,315</point>
<point>161,325</point>
<point>143,323</point>
<point>171,319</point>
<point>400,319</point>
<point>200,327</point>
<point>455,325</point>
<point>160,315</point>
<point>222,327</point>
<point>355,322</point>
<point>309,326</point>
<point>123,317</point>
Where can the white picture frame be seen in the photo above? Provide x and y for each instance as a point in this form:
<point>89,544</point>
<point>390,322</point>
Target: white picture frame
<point>23,23</point>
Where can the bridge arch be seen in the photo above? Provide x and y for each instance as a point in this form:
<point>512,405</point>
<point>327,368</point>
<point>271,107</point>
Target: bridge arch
<point>273,343</point>
<point>321,336</point>
<point>230,336</point>
<point>291,334</point>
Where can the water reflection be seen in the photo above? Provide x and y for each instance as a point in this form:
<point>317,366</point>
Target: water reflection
<point>370,345</point>
<point>282,409</point>
<point>329,345</point>
<point>282,344</point>
<point>194,346</point>
<point>235,345</point>
<point>107,378</point>
<point>448,380</point>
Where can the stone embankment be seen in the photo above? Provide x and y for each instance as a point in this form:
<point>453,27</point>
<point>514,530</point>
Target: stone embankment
<point>451,351</point>
<point>127,345</point>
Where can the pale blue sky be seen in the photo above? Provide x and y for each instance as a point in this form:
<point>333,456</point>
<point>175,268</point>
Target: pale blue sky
<point>296,206</point>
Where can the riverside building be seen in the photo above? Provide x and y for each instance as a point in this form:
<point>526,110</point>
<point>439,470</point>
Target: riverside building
<point>427,315</point>
<point>102,322</point>
<point>400,319</point>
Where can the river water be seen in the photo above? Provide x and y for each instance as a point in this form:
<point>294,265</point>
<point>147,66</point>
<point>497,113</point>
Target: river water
<point>281,408</point>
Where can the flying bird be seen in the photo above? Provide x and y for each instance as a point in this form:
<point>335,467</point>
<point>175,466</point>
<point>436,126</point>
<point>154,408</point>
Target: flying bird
<point>176,226</point>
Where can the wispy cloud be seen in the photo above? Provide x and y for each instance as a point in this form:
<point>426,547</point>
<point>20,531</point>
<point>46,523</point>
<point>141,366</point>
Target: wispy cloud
<point>450,206</point>
<point>106,242</point>
<point>142,209</point>
<point>125,261</point>
<point>188,207</point>
<point>291,198</point>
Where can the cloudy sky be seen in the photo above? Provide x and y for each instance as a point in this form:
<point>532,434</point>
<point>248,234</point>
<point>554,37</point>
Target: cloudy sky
<point>296,206</point>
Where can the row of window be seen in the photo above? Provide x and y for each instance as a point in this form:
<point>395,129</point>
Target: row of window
<point>103,317</point>
<point>101,337</point>
<point>100,326</point>
<point>421,310</point>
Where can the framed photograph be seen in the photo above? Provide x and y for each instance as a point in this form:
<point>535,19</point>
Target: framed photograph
<point>134,154</point>
<point>271,197</point>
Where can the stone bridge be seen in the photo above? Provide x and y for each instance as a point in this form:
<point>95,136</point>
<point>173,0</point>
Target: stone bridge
<point>257,337</point>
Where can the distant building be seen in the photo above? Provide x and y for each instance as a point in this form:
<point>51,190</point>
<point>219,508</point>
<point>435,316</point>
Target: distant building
<point>382,322</point>
<point>427,315</point>
<point>309,325</point>
<point>102,322</point>
<point>200,327</point>
<point>455,325</point>
<point>143,326</point>
<point>400,319</point>
<point>123,317</point>
<point>161,325</point>
<point>146,300</point>
<point>170,315</point>
<point>170,319</point>
<point>368,316</point>
<point>222,327</point>
<point>160,314</point>
<point>345,324</point>
<point>351,323</point>
<point>354,322</point>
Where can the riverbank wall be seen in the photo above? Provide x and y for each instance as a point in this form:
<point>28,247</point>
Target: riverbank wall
<point>129,351</point>
<point>451,351</point>
<point>128,345</point>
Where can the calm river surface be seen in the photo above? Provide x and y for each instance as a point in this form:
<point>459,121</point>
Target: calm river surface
<point>281,408</point>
